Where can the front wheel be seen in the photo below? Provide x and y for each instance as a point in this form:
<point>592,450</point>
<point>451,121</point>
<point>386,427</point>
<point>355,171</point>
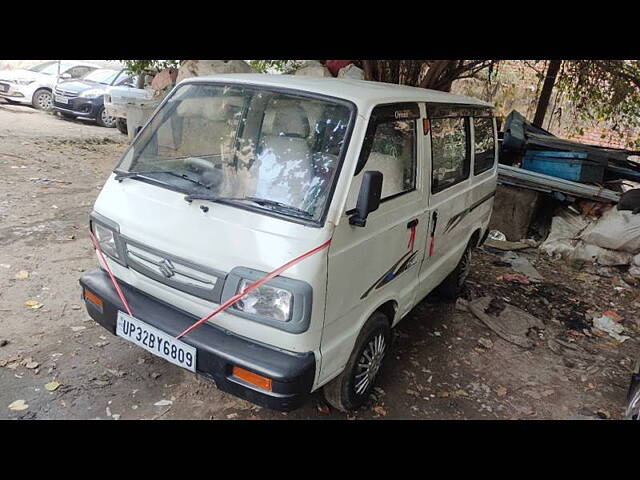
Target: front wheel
<point>43,100</point>
<point>351,389</point>
<point>105,120</point>
<point>121,125</point>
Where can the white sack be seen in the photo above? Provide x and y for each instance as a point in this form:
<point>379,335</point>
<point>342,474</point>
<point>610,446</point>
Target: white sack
<point>615,230</point>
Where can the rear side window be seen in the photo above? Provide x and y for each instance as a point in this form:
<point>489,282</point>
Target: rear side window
<point>449,152</point>
<point>484,143</point>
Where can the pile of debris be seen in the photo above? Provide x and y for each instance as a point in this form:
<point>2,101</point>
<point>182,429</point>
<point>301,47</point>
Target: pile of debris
<point>575,201</point>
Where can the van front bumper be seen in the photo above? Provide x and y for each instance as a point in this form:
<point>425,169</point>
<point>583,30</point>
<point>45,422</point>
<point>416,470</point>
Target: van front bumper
<point>218,350</point>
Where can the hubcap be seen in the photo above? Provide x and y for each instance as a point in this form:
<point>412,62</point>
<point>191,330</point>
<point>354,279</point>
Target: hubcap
<point>633,409</point>
<point>106,119</point>
<point>44,101</point>
<point>369,363</point>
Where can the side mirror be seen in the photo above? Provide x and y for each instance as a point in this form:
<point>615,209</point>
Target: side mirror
<point>368,197</point>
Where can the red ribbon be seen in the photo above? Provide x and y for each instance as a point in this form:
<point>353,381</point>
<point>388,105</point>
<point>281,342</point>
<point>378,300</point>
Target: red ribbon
<point>255,285</point>
<point>113,279</point>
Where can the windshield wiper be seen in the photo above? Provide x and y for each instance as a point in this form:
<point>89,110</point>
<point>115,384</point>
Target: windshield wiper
<point>122,175</point>
<point>277,205</point>
<point>260,201</point>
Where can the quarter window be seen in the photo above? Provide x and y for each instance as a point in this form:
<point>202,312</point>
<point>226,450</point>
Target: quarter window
<point>450,154</point>
<point>484,143</point>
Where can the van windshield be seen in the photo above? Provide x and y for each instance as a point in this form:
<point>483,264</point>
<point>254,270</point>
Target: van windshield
<point>266,149</point>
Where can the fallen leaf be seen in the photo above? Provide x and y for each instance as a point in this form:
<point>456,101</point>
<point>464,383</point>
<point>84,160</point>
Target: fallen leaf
<point>604,414</point>
<point>231,416</point>
<point>380,411</point>
<point>613,315</point>
<point>77,329</point>
<point>547,393</point>
<point>32,365</point>
<point>18,406</point>
<point>22,274</point>
<point>323,409</point>
<point>75,307</point>
<point>163,403</point>
<point>460,393</point>
<point>485,342</point>
<point>501,391</point>
<point>443,394</point>
<point>33,304</point>
<point>51,386</point>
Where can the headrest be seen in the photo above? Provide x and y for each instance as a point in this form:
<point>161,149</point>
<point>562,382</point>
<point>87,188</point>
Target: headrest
<point>286,119</point>
<point>211,108</point>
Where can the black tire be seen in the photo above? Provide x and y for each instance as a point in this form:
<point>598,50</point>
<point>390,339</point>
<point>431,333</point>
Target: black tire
<point>43,100</point>
<point>121,125</point>
<point>451,287</point>
<point>342,392</point>
<point>104,120</point>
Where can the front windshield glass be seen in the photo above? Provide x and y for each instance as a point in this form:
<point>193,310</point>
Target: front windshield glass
<point>270,150</point>
<point>50,68</point>
<point>101,75</point>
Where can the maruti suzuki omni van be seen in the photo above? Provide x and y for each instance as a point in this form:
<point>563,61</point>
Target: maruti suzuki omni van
<point>362,197</point>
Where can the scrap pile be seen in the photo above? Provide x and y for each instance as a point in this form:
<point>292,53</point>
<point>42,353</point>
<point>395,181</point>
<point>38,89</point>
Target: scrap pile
<point>576,201</point>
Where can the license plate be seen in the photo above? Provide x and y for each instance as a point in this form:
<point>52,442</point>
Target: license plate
<point>156,341</point>
<point>61,99</point>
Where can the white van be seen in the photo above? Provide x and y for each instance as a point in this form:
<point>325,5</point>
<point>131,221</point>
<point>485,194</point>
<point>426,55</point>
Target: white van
<point>379,191</point>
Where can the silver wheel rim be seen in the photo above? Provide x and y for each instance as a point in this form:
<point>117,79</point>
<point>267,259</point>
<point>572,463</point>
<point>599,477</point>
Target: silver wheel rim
<point>44,101</point>
<point>465,267</point>
<point>369,363</point>
<point>106,119</point>
<point>633,409</point>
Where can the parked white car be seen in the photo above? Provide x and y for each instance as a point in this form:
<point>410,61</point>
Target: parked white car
<point>117,97</point>
<point>33,86</point>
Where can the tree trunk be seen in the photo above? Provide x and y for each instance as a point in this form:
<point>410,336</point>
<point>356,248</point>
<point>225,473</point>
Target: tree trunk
<point>545,94</point>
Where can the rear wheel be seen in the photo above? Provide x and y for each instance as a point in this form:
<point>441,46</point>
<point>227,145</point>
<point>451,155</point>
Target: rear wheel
<point>451,287</point>
<point>43,100</point>
<point>121,125</point>
<point>351,389</point>
<point>105,120</point>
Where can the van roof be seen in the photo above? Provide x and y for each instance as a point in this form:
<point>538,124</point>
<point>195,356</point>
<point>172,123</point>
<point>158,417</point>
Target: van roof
<point>365,94</point>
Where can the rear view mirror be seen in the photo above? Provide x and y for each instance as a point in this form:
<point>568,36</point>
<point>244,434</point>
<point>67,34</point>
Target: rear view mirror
<point>368,197</point>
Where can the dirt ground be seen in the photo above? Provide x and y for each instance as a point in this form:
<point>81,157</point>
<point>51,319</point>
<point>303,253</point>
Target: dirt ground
<point>441,365</point>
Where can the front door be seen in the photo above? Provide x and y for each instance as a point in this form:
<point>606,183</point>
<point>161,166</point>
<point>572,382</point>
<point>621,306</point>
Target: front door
<point>380,261</point>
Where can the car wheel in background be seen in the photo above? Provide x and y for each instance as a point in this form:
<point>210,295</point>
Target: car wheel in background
<point>451,287</point>
<point>121,125</point>
<point>43,100</point>
<point>105,120</point>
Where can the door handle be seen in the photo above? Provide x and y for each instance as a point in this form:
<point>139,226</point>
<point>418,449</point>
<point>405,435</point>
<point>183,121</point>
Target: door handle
<point>412,223</point>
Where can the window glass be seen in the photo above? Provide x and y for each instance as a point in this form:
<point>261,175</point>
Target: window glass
<point>484,142</point>
<point>266,149</point>
<point>393,154</point>
<point>449,152</point>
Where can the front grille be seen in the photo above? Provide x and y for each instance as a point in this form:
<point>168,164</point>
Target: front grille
<point>176,272</point>
<point>65,93</point>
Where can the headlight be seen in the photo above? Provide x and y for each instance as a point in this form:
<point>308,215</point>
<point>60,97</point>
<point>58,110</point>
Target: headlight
<point>93,93</point>
<point>23,81</point>
<point>265,301</point>
<point>107,240</point>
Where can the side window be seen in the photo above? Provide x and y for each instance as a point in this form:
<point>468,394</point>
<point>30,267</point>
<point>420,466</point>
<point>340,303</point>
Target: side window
<point>484,143</point>
<point>393,153</point>
<point>77,72</point>
<point>450,154</point>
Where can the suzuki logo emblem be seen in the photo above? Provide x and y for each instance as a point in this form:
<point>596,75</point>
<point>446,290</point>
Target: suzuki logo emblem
<point>166,268</point>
